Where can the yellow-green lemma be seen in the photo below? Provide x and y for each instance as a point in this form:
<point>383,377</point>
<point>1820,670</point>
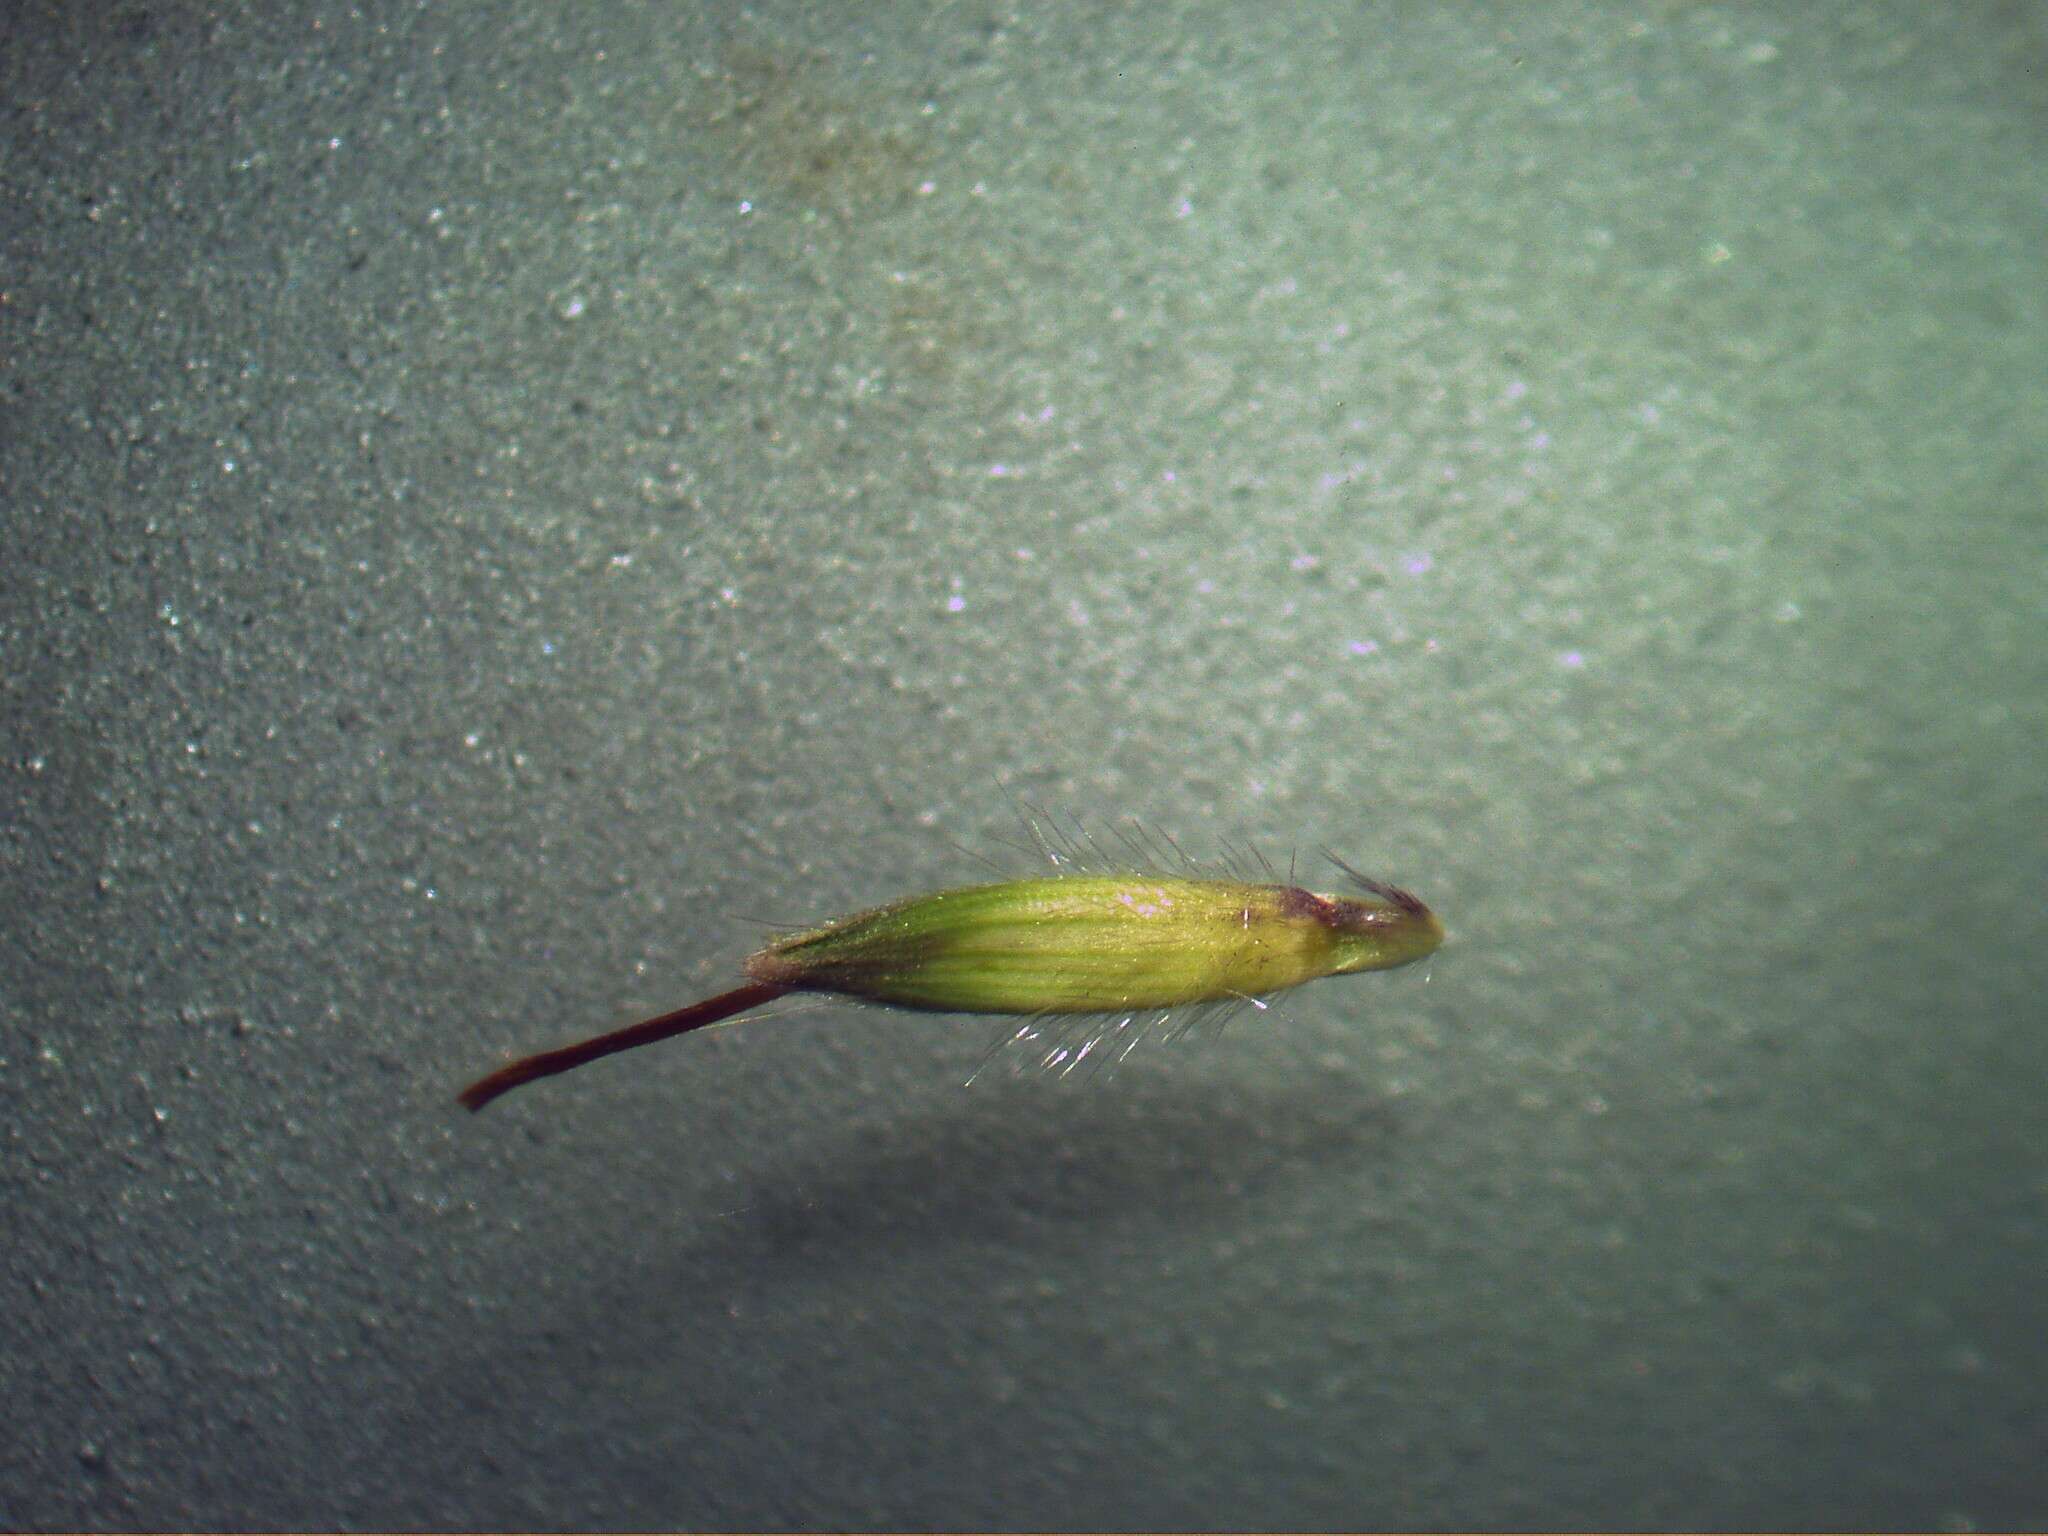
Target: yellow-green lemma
<point>1062,944</point>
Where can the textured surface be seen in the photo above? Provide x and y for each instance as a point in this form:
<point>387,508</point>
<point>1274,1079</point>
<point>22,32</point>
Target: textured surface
<point>499,503</point>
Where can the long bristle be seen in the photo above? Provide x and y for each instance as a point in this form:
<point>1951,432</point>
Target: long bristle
<point>568,1057</point>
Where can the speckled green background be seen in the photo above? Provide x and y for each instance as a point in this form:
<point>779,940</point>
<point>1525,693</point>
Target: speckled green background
<point>501,500</point>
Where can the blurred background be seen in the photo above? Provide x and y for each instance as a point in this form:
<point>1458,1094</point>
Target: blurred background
<point>501,502</point>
